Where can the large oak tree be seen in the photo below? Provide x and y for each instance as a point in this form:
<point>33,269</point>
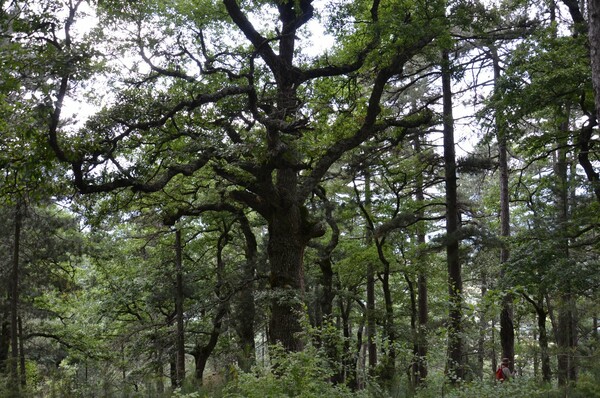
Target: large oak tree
<point>247,109</point>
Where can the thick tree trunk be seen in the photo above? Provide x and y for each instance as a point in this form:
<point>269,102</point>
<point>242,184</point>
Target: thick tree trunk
<point>287,241</point>
<point>455,368</point>
<point>179,297</point>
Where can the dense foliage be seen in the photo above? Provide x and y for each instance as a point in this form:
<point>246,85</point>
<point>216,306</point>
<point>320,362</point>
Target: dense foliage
<point>299,198</point>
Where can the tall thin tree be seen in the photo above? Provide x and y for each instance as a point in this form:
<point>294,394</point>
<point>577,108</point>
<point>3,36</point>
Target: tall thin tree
<point>455,368</point>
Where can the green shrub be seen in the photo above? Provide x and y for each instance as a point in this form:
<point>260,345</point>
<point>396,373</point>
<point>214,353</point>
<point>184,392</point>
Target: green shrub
<point>515,388</point>
<point>301,374</point>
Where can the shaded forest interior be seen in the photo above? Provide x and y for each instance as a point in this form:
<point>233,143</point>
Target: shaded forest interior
<point>297,198</point>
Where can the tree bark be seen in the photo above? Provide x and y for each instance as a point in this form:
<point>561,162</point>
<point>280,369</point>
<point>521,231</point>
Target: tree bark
<point>414,314</point>
<point>4,341</point>
<point>420,350</point>
<point>566,333</point>
<point>179,297</point>
<point>543,336</point>
<point>14,296</point>
<point>246,309</point>
<point>286,252</point>
<point>494,360</point>
<point>389,326</point>
<point>594,40</point>
<point>159,367</point>
<point>173,370</point>
<point>482,329</point>
<point>507,329</point>
<point>566,341</point>
<point>201,353</point>
<point>349,359</point>
<point>370,314</point>
<point>324,260</point>
<point>543,341</point>
<point>22,372</point>
<point>455,368</point>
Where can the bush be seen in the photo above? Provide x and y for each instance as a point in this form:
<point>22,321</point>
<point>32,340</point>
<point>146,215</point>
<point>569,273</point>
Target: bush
<point>301,374</point>
<point>516,388</point>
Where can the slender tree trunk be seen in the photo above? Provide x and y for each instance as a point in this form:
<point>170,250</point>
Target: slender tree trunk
<point>371,326</point>
<point>158,368</point>
<point>414,314</point>
<point>22,372</point>
<point>326,296</point>
<point>594,40</point>
<point>494,360</point>
<point>179,296</point>
<point>14,297</point>
<point>422,328</point>
<point>389,325</point>
<point>173,370</point>
<point>543,335</point>
<point>455,368</point>
<point>349,357</point>
<point>4,341</point>
<point>325,262</point>
<point>420,351</point>
<point>360,354</point>
<point>543,341</point>
<point>507,330</point>
<point>482,329</point>
<point>567,330</point>
<point>202,353</point>
<point>536,357</point>
<point>246,310</point>
<point>325,304</point>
